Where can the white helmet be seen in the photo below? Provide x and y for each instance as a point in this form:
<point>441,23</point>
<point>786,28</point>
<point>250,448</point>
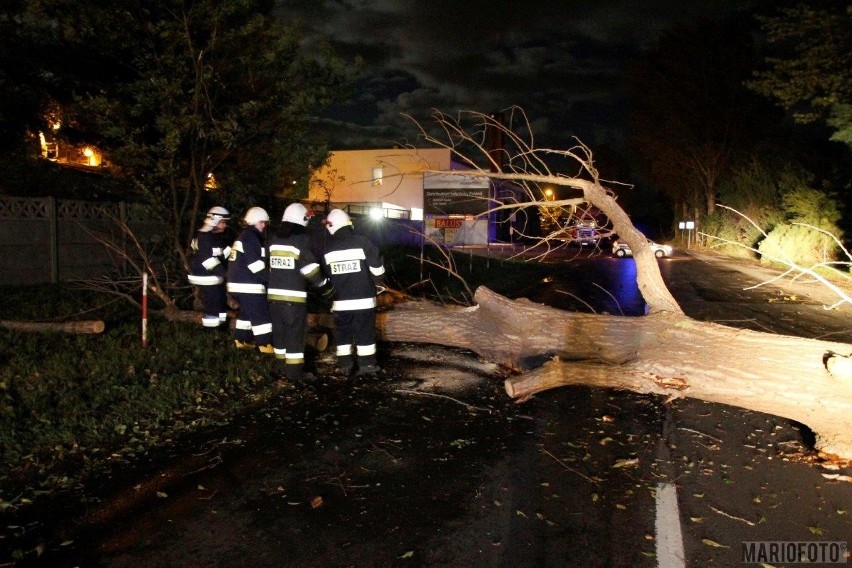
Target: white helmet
<point>256,215</point>
<point>213,217</point>
<point>297,213</point>
<point>336,219</point>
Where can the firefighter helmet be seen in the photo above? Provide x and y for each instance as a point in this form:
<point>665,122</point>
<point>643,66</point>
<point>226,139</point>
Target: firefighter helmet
<point>214,215</point>
<point>255,215</point>
<point>297,213</point>
<point>336,219</point>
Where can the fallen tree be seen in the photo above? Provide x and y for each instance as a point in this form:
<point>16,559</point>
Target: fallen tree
<point>664,353</point>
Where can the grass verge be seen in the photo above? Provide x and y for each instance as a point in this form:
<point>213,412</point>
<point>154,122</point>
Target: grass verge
<point>68,402</point>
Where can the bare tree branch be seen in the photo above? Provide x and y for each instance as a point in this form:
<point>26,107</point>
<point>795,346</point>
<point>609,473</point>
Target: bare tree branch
<point>521,162</point>
<point>131,262</point>
<point>793,268</point>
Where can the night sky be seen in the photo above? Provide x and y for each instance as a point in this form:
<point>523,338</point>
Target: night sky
<point>561,61</point>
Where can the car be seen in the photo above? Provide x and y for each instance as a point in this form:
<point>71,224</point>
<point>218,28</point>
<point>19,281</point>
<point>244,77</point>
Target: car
<point>622,249</point>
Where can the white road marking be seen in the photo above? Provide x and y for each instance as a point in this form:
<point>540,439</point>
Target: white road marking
<point>667,527</point>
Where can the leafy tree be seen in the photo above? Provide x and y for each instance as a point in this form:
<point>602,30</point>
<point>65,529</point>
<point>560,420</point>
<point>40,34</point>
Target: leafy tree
<point>751,191</point>
<point>808,69</point>
<point>21,99</point>
<point>177,91</point>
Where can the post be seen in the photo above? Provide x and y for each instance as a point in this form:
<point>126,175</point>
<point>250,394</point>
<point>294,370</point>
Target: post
<point>422,249</point>
<point>144,310</point>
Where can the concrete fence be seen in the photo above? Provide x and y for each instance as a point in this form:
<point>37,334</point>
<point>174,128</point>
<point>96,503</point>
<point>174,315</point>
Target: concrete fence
<point>48,240</point>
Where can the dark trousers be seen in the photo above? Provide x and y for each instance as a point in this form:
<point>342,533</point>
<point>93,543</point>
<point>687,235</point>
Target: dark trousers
<point>289,331</point>
<point>356,327</point>
<point>215,301</point>
<point>254,323</point>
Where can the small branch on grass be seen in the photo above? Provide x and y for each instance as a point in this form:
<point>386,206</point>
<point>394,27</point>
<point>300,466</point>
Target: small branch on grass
<point>212,462</point>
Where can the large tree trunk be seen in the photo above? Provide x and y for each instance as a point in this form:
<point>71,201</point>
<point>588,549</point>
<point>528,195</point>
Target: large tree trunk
<point>664,353</point>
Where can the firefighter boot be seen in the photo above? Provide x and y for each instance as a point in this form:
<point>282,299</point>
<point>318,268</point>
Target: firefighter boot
<point>280,374</point>
<point>345,365</point>
<point>297,374</point>
<point>367,366</point>
<point>279,369</point>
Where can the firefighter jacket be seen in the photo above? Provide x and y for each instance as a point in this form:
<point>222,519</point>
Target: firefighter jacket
<point>208,267</point>
<point>292,266</point>
<point>354,267</point>
<point>247,273</point>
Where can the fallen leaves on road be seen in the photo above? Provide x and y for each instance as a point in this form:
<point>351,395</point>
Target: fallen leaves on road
<point>837,477</point>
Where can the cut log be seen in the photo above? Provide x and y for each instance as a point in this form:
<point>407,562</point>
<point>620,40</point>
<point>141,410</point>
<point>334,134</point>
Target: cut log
<point>318,341</point>
<point>188,316</point>
<point>95,326</point>
<point>665,354</point>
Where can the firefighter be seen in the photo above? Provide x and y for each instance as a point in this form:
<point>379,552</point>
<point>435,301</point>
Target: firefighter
<point>208,268</point>
<point>354,267</point>
<point>292,267</point>
<point>248,275</point>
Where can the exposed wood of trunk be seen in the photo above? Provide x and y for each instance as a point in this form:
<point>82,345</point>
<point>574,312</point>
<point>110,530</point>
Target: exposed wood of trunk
<point>665,353</point>
<point>66,326</point>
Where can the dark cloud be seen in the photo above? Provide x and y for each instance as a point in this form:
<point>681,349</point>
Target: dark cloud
<point>561,61</point>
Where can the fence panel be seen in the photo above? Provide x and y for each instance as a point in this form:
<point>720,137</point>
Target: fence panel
<point>44,240</point>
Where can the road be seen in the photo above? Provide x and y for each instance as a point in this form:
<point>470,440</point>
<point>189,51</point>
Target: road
<point>433,466</point>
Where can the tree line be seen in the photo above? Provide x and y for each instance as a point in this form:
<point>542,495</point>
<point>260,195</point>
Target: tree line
<point>751,111</point>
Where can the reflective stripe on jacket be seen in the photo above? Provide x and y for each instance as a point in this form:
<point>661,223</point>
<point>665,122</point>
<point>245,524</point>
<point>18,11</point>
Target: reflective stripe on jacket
<point>247,272</point>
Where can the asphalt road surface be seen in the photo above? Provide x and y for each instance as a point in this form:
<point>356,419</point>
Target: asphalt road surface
<point>432,465</point>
